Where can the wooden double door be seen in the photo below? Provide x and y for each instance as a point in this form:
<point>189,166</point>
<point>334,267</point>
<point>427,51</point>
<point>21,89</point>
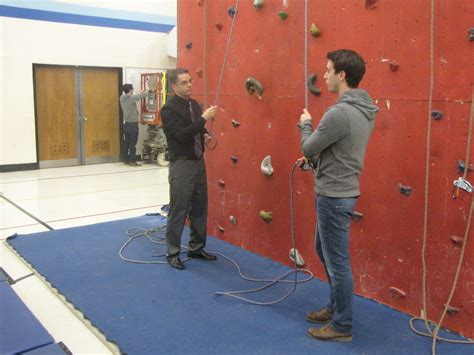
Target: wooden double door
<point>77,115</point>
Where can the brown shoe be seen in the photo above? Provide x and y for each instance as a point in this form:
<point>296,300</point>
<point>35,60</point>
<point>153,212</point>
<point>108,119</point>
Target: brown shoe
<point>322,316</point>
<point>328,333</point>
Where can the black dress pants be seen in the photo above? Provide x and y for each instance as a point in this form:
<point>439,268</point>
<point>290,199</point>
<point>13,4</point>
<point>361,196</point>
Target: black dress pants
<point>188,197</point>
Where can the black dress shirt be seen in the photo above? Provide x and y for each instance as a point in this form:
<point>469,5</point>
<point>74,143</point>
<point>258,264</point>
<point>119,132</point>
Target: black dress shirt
<point>180,129</point>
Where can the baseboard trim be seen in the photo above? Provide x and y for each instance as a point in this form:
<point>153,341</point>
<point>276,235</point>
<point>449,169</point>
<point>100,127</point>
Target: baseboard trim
<point>18,167</point>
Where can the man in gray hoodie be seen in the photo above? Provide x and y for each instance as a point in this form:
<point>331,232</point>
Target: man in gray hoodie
<point>337,148</point>
<point>128,104</point>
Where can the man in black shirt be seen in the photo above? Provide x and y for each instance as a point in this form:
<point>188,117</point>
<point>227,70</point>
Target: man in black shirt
<point>183,124</point>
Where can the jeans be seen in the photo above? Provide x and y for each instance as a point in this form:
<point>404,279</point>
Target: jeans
<point>130,138</point>
<point>332,245</point>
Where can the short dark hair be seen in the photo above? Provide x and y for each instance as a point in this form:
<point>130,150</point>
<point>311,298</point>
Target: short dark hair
<point>177,72</point>
<point>351,63</point>
<point>126,88</point>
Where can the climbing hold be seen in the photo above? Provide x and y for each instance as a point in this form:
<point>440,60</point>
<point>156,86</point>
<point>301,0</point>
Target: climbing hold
<point>451,310</point>
<point>437,115</point>
<point>283,15</point>
<point>462,184</point>
<point>233,220</point>
<point>370,4</point>
<point>311,85</point>
<point>232,11</point>
<point>471,34</point>
<point>397,291</point>
<point>199,2</point>
<point>266,166</point>
<point>235,123</point>
<point>462,167</point>
<point>406,190</point>
<point>253,85</point>
<point>234,159</point>
<point>221,182</point>
<point>267,216</point>
<point>393,65</point>
<point>220,228</point>
<point>296,257</point>
<point>258,4</point>
<point>457,240</point>
<point>357,216</point>
<point>199,72</point>
<point>315,32</point>
<point>219,26</point>
<point>189,45</point>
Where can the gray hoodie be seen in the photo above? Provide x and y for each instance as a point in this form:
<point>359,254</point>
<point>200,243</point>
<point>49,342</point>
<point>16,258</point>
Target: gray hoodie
<point>339,142</point>
<point>129,106</point>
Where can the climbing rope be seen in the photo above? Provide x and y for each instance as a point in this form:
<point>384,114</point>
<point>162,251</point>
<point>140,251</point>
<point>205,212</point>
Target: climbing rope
<point>305,32</point>
<point>424,318</point>
<point>205,54</point>
<point>235,294</point>
<point>153,235</point>
<point>224,63</point>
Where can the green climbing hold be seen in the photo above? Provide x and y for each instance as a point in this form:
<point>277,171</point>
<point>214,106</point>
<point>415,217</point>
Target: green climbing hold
<point>267,216</point>
<point>315,32</point>
<point>283,15</point>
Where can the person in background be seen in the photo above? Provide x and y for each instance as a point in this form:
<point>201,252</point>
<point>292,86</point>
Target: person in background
<point>128,103</point>
<point>338,145</point>
<point>183,125</point>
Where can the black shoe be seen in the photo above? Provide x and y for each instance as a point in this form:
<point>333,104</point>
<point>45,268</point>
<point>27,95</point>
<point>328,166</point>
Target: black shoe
<point>134,163</point>
<point>201,254</point>
<point>176,262</point>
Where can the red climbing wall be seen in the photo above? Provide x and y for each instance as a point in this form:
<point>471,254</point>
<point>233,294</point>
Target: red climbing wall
<point>386,244</point>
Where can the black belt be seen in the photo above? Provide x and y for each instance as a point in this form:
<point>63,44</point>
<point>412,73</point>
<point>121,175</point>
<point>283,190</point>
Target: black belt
<point>186,158</point>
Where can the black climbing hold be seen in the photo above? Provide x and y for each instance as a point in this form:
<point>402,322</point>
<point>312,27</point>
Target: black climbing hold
<point>370,4</point>
<point>471,34</point>
<point>189,45</point>
<point>232,11</point>
<point>406,190</point>
<point>393,65</point>
<point>458,241</point>
<point>235,123</point>
<point>437,115</point>
<point>253,85</point>
<point>357,216</point>
<point>234,159</point>
<point>462,167</point>
<point>311,82</point>
<point>452,310</point>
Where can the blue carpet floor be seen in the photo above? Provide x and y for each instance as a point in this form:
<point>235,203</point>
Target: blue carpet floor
<point>20,331</point>
<point>156,309</point>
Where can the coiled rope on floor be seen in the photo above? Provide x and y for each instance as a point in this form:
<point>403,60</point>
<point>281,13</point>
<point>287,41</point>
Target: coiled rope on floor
<point>296,270</point>
<point>156,236</point>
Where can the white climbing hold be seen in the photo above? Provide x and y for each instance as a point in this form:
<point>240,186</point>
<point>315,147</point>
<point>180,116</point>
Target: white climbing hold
<point>266,166</point>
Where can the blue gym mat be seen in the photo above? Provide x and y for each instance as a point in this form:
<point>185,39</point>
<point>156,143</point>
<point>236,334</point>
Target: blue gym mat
<point>156,309</point>
<point>20,331</point>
